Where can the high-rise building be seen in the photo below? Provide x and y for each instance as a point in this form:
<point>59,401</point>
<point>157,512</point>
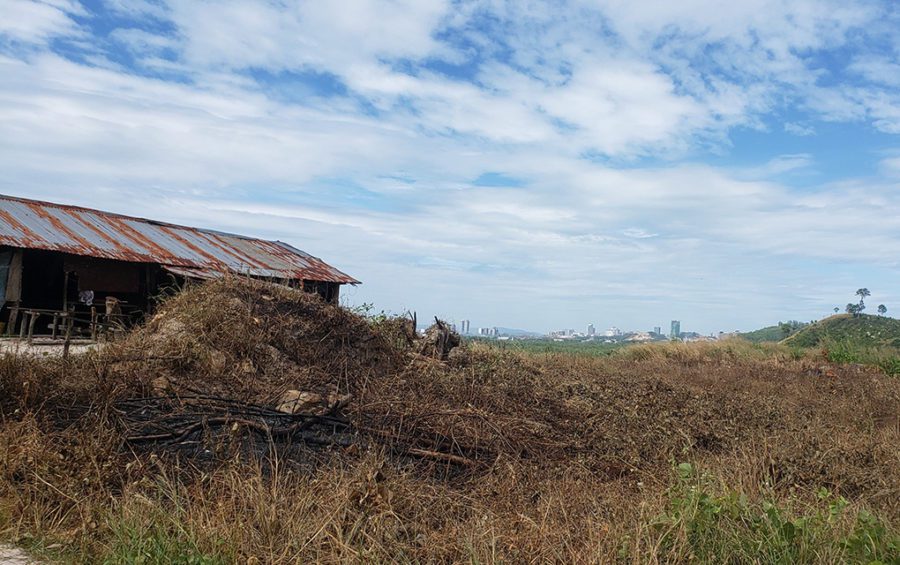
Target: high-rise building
<point>464,327</point>
<point>657,330</point>
<point>590,330</point>
<point>676,329</point>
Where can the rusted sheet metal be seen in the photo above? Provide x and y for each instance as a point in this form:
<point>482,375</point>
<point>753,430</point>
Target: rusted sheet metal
<point>191,273</point>
<point>32,224</point>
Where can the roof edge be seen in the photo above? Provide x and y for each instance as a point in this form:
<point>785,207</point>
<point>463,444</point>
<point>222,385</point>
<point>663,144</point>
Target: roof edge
<point>126,217</point>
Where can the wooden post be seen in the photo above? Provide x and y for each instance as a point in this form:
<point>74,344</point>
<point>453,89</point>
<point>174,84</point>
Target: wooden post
<point>66,292</point>
<point>14,289</point>
<point>23,328</point>
<point>55,322</point>
<point>69,321</point>
<point>13,318</point>
<point>93,323</point>
<point>31,324</point>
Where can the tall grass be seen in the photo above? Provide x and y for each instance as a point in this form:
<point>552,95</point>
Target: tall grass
<point>731,350</point>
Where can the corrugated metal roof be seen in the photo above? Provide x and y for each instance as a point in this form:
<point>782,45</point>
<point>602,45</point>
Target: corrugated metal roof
<point>81,231</point>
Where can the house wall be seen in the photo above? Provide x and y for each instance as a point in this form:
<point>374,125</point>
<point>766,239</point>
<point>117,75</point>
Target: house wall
<point>329,291</point>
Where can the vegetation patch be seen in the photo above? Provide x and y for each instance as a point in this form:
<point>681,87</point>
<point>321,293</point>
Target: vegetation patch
<point>861,330</point>
<point>774,333</point>
<point>707,522</point>
<point>176,445</point>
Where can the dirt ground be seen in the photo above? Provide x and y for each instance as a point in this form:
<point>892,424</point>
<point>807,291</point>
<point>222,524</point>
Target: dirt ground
<point>13,556</point>
<point>43,348</point>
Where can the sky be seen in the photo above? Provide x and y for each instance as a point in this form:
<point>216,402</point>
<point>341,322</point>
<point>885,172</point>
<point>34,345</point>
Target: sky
<point>536,165</point>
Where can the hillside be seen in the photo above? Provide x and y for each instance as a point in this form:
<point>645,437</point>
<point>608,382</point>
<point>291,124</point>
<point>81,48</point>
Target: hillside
<point>871,331</point>
<point>774,333</point>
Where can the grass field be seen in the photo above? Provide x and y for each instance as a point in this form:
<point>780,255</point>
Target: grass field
<point>592,348</point>
<point>729,452</point>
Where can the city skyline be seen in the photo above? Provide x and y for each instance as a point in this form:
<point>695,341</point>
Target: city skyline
<point>463,326</point>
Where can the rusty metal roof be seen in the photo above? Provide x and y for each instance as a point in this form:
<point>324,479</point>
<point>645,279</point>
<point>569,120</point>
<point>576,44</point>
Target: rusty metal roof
<point>33,224</point>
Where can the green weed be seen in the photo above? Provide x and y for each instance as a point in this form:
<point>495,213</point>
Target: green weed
<point>149,535</point>
<point>846,351</point>
<point>706,523</point>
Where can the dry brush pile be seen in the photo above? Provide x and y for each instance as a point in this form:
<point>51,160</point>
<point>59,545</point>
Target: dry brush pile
<point>250,421</point>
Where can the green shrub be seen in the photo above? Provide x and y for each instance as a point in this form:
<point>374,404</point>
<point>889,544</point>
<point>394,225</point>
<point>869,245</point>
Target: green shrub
<point>846,351</point>
<point>890,365</point>
<point>705,523</point>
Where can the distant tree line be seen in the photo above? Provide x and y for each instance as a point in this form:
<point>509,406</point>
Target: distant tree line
<point>790,327</point>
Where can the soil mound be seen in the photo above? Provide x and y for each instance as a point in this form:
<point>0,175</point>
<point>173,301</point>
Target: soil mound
<point>251,341</point>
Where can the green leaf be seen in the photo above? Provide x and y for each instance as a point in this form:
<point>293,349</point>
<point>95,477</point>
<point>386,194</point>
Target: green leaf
<point>685,470</point>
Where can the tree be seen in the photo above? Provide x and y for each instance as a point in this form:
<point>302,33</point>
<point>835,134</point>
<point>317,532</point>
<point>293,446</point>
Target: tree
<point>882,309</point>
<point>836,309</point>
<point>853,309</point>
<point>790,327</point>
<point>862,294</point>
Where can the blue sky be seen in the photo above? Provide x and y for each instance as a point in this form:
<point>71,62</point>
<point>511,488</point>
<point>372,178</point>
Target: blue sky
<point>525,164</point>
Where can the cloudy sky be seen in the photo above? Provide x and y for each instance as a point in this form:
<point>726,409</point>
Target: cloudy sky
<point>525,164</point>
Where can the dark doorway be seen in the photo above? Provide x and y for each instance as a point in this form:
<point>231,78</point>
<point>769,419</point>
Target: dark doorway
<point>43,279</point>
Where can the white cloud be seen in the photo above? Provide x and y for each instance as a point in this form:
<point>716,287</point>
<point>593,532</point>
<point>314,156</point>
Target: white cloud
<point>379,181</point>
<point>798,129</point>
<point>34,22</point>
<point>779,165</point>
<point>323,35</point>
<point>141,42</point>
<point>890,166</point>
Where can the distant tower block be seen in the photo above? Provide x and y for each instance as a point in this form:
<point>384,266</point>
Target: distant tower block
<point>676,329</point>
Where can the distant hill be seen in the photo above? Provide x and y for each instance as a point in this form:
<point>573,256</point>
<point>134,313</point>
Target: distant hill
<point>773,333</point>
<point>513,332</point>
<point>864,330</point>
<point>770,333</point>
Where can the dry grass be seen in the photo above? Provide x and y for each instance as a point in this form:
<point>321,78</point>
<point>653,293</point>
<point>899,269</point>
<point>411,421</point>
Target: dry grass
<point>573,459</point>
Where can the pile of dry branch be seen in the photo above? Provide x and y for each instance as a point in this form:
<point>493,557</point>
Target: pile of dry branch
<point>242,366</point>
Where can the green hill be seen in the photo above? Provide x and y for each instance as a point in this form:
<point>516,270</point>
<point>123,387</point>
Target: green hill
<point>868,331</point>
<point>774,333</point>
<point>770,333</point>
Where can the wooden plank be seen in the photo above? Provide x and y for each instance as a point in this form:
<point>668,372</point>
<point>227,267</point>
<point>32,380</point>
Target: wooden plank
<point>14,282</point>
